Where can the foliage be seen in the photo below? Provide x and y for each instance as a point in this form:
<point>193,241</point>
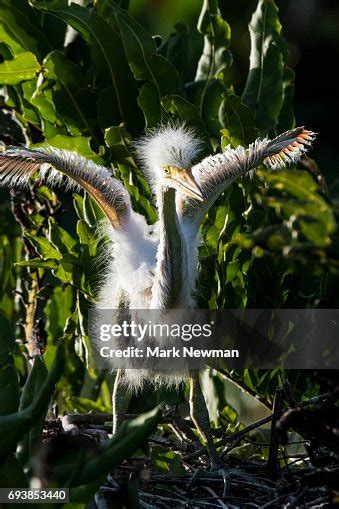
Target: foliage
<point>269,241</point>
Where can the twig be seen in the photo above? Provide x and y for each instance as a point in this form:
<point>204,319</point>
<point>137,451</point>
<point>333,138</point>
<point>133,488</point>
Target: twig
<point>182,503</point>
<point>239,434</point>
<point>230,438</point>
<point>272,464</point>
<point>220,502</point>
<point>273,502</point>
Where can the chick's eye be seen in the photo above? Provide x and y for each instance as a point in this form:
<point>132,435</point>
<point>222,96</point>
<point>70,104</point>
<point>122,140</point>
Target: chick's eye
<point>166,170</point>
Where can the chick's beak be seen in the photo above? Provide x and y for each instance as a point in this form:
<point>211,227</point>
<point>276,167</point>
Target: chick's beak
<point>186,183</point>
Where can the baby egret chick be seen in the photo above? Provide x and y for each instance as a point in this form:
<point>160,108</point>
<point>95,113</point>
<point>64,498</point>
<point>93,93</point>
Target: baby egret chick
<point>158,270</point>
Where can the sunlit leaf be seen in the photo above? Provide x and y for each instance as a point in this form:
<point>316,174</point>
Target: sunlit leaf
<point>23,66</point>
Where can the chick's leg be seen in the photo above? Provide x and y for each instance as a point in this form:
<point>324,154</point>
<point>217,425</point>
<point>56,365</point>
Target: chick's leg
<point>120,400</point>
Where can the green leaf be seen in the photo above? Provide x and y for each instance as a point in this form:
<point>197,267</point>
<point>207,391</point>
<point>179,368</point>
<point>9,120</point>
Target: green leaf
<point>148,101</point>
<point>79,144</point>
<point>23,66</point>
<point>38,263</point>
<point>107,56</point>
<point>232,271</point>
<point>14,426</point>
<point>161,76</point>
<point>93,213</point>
<point>43,247</point>
<point>86,405</point>
<point>119,141</point>
<point>177,50</point>
<point>311,213</point>
<point>6,263</point>
<point>238,122</point>
<point>129,438</point>
<point>264,87</point>
<point>57,310</point>
<point>186,112</point>
<point>166,461</point>
<point>78,202</point>
<point>30,393</point>
<point>60,238</point>
<point>87,237</point>
<point>72,97</point>
<point>9,41</point>
<point>9,393</point>
<point>286,117</point>
<point>216,57</point>
<point>22,24</point>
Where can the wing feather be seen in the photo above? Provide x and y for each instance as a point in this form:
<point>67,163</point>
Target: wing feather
<point>215,173</point>
<point>130,262</point>
<point>54,166</point>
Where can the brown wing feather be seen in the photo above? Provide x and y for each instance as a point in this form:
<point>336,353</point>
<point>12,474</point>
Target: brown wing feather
<point>216,172</point>
<point>17,165</point>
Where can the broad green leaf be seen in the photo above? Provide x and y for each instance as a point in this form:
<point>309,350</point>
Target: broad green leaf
<point>177,49</point>
<point>43,103</point>
<point>150,104</point>
<point>186,112</point>
<point>68,267</point>
<point>22,24</point>
<point>238,122</point>
<point>119,141</point>
<point>79,144</point>
<point>23,66</point>
<point>60,238</point>
<point>216,57</point>
<point>6,261</point>
<point>87,236</point>
<point>78,202</point>
<point>43,247</point>
<point>58,308</point>
<point>138,188</point>
<point>161,76</point>
<point>264,87</point>
<point>11,42</point>
<point>211,106</point>
<point>107,54</point>
<point>88,258</point>
<point>310,211</point>
<point>71,96</point>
